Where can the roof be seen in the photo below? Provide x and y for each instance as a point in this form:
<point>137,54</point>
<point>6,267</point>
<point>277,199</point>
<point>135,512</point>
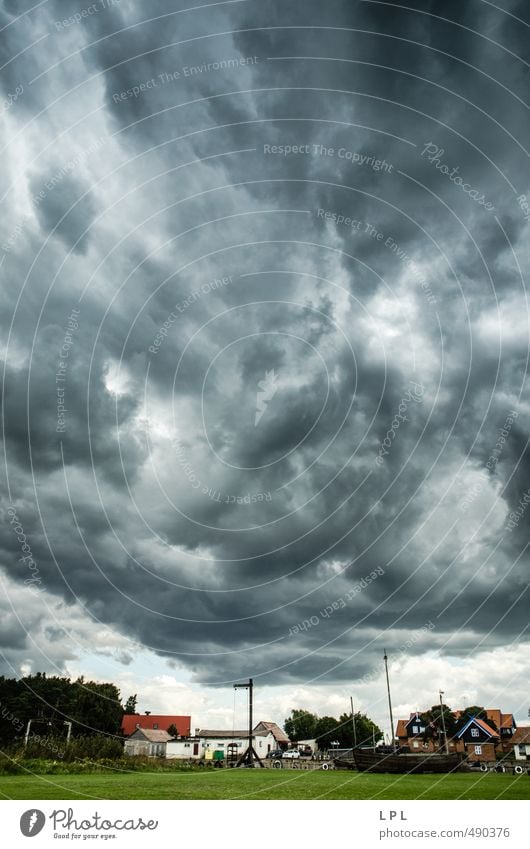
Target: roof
<point>481,724</point>
<point>521,735</point>
<point>226,733</point>
<point>401,728</point>
<point>279,735</point>
<point>131,720</point>
<point>501,720</point>
<point>151,735</point>
<point>507,720</point>
<point>209,732</point>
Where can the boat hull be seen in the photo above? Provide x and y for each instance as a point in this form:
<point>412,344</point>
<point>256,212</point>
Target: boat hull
<point>369,761</point>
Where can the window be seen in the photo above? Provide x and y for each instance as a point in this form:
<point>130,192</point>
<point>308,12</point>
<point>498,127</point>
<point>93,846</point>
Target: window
<point>478,750</point>
<point>415,744</point>
<point>474,732</point>
<point>155,726</point>
<point>422,729</point>
<point>415,729</point>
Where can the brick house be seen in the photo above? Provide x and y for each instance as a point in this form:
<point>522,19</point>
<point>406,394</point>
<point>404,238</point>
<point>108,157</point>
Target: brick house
<point>478,740</point>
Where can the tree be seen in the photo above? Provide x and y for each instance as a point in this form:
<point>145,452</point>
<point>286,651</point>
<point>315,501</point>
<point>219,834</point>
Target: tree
<point>326,732</point>
<point>300,725</point>
<point>50,702</point>
<point>365,730</point>
<point>173,730</point>
<point>475,711</point>
<point>432,720</point>
<point>130,704</point>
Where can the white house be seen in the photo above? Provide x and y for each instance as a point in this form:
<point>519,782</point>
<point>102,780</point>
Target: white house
<point>184,749</point>
<point>207,741</point>
<point>521,744</point>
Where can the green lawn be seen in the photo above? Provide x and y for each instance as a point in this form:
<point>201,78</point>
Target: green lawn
<point>265,784</point>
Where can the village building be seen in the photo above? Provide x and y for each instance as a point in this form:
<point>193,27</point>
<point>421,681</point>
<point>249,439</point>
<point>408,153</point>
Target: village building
<point>207,744</point>
<point>521,743</point>
<point>146,742</point>
<point>155,722</point>
<point>479,739</point>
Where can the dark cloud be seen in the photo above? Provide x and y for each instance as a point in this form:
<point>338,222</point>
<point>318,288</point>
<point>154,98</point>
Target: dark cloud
<point>385,299</point>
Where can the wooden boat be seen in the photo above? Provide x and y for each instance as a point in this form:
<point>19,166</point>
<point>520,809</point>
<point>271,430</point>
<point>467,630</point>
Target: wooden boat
<point>366,760</point>
<point>391,759</point>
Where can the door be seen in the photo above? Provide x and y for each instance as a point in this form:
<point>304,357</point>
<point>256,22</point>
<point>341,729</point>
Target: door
<point>195,749</point>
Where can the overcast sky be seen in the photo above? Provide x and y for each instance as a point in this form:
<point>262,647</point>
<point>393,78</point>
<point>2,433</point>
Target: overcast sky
<point>264,335</point>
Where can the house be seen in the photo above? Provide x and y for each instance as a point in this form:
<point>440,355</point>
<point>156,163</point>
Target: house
<point>477,739</point>
<point>184,749</point>
<point>415,735</point>
<point>156,722</point>
<point>480,739</point>
<point>207,741</point>
<point>280,737</point>
<point>503,723</point>
<point>521,743</point>
<point>145,741</point>
<point>213,740</point>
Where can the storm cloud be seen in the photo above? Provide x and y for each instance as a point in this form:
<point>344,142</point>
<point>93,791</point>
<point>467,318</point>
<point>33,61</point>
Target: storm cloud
<point>265,332</point>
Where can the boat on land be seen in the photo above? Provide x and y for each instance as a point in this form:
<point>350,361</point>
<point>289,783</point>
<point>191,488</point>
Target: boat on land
<point>391,759</point>
<point>368,760</point>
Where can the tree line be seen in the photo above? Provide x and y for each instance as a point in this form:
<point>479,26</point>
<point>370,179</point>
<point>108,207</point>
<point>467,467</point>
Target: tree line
<point>50,702</point>
<point>330,732</point>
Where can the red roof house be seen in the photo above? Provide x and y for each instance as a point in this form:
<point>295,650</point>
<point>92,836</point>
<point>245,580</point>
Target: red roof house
<point>155,722</point>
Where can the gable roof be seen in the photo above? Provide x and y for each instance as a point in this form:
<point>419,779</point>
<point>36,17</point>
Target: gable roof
<point>481,724</point>
<point>131,720</point>
<point>151,735</point>
<point>279,735</point>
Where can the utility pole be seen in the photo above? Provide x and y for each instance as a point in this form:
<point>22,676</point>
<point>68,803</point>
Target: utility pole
<point>249,686</point>
<point>353,724</point>
<point>446,747</point>
<point>389,701</point>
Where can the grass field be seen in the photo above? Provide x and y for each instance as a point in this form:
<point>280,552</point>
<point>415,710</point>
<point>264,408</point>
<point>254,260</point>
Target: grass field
<point>265,784</point>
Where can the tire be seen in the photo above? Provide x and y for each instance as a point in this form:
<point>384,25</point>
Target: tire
<point>483,767</point>
<point>325,766</point>
<point>518,770</point>
<point>276,764</point>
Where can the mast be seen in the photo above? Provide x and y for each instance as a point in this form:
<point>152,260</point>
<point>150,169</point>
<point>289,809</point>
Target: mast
<point>446,746</point>
<point>389,701</point>
<point>353,724</point>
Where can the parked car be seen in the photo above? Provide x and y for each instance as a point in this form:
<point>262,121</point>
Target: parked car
<point>291,754</point>
<point>277,753</point>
